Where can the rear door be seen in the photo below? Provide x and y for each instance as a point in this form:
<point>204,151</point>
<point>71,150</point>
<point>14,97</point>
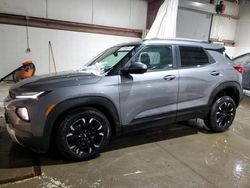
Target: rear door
<point>199,74</point>
<point>152,95</point>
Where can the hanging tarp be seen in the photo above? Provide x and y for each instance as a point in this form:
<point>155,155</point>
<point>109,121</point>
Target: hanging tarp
<point>164,25</point>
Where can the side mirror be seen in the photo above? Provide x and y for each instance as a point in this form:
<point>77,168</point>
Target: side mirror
<point>135,68</point>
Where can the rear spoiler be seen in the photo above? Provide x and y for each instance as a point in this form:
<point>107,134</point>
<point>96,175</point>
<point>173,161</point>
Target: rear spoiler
<point>221,50</point>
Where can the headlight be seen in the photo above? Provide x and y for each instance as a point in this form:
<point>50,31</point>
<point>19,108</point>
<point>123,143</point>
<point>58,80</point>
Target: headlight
<point>29,95</point>
<point>23,113</point>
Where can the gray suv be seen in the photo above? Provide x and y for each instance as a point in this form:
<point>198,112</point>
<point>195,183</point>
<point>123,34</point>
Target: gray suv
<point>128,87</point>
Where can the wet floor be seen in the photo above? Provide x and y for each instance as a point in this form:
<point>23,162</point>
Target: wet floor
<point>173,156</point>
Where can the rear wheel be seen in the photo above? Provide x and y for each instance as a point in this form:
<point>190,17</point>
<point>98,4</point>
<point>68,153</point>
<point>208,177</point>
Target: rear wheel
<point>83,134</point>
<point>221,115</point>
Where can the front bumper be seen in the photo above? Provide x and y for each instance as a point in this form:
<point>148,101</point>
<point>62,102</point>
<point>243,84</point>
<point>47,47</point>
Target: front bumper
<point>20,131</point>
<point>12,133</point>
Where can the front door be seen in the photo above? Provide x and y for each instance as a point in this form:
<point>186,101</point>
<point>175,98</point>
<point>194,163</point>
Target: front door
<point>152,95</point>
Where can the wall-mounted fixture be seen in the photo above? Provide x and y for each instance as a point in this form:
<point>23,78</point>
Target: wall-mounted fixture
<point>220,8</point>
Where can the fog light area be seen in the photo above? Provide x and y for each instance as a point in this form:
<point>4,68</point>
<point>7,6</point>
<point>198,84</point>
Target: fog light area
<point>23,113</point>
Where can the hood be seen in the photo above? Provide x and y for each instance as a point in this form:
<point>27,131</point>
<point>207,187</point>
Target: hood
<point>56,80</point>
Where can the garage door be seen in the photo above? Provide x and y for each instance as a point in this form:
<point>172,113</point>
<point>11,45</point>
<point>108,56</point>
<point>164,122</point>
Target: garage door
<point>193,24</point>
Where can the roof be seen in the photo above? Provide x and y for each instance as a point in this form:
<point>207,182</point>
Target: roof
<point>189,42</point>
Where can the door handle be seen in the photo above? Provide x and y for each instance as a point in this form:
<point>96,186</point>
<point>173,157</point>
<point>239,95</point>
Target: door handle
<point>169,77</point>
<point>215,73</point>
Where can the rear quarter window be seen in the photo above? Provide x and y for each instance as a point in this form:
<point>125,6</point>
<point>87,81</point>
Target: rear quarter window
<point>193,56</point>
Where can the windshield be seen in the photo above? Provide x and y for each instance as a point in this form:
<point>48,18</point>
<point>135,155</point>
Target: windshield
<point>107,60</point>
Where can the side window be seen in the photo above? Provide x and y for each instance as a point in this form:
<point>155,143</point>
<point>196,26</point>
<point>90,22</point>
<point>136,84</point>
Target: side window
<point>193,56</point>
<point>155,57</point>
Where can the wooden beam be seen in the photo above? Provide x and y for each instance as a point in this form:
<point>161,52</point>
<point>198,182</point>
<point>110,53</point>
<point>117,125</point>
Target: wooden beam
<point>12,19</point>
<point>224,41</point>
<point>153,7</point>
<point>228,16</point>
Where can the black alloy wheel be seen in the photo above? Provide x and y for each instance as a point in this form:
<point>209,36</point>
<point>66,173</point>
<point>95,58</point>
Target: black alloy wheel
<point>221,115</point>
<point>83,134</point>
<point>225,114</point>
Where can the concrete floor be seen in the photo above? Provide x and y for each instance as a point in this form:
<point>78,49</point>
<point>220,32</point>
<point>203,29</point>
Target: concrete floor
<point>173,156</point>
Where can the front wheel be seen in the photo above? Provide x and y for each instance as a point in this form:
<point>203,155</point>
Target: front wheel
<point>83,134</point>
<point>221,115</point>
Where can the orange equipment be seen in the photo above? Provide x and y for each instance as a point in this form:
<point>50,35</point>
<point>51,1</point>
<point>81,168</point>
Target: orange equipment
<point>27,70</point>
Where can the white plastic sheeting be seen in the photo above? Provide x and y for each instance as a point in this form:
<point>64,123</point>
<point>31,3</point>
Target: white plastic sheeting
<point>164,25</point>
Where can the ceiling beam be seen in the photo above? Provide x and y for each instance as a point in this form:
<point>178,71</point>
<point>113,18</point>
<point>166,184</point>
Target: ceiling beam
<point>12,19</point>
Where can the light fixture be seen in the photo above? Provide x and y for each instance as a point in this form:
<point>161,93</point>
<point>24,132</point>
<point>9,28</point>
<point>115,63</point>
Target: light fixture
<point>29,95</point>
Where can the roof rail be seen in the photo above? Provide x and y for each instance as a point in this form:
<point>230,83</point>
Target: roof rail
<point>179,39</point>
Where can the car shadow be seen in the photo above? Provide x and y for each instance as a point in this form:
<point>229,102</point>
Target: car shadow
<point>151,135</point>
<point>15,156</point>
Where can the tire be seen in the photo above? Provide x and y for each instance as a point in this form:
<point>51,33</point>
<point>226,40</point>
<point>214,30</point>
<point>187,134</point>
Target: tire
<point>83,134</point>
<point>221,115</point>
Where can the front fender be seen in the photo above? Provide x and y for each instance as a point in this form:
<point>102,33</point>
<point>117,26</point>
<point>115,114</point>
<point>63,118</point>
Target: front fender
<point>69,104</point>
